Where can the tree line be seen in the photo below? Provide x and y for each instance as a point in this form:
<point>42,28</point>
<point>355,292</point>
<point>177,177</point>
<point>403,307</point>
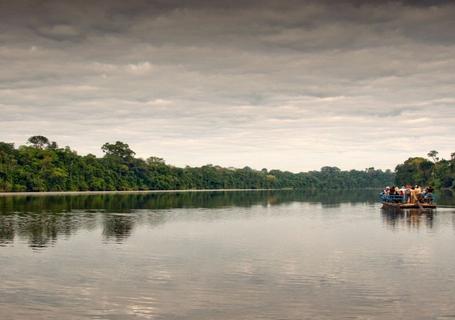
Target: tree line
<point>41,165</point>
<point>432,171</point>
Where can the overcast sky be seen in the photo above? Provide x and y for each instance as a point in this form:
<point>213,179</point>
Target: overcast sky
<point>292,85</point>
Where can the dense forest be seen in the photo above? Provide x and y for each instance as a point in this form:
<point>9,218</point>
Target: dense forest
<point>437,172</point>
<point>41,165</point>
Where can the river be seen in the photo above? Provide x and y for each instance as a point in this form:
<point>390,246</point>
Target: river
<point>224,255</point>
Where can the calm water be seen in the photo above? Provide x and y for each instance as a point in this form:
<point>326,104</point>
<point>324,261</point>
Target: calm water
<point>224,255</point>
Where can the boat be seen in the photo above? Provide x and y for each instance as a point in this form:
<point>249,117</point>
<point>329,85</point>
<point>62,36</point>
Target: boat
<point>386,205</point>
<point>398,202</point>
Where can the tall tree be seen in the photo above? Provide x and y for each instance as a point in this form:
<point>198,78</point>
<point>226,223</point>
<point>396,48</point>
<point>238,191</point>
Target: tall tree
<point>38,141</point>
<point>119,149</point>
<point>433,154</point>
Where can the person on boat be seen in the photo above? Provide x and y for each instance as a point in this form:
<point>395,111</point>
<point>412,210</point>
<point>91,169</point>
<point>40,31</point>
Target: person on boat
<point>414,195</point>
<point>392,191</point>
<point>394,194</point>
<point>428,194</point>
<point>407,194</point>
<point>387,190</point>
<point>385,194</point>
<point>419,193</point>
<point>402,194</point>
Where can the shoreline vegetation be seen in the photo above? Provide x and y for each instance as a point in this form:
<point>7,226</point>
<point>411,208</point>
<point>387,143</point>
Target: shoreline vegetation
<point>43,166</point>
<point>107,192</point>
<point>114,192</point>
<point>434,171</point>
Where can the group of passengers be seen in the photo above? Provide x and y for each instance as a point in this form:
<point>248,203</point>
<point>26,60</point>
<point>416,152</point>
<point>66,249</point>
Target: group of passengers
<point>409,194</point>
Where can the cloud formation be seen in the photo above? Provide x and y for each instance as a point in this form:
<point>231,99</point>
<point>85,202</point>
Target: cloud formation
<point>278,84</point>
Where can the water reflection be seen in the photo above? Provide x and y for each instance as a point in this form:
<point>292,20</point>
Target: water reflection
<point>128,202</point>
<point>414,219</point>
<point>42,229</point>
<point>41,220</point>
<point>226,255</point>
<point>411,218</point>
<point>118,226</point>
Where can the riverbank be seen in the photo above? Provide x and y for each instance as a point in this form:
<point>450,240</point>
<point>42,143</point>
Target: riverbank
<point>62,193</point>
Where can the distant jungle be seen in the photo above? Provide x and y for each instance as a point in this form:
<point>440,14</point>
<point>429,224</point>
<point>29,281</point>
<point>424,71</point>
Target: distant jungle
<point>41,165</point>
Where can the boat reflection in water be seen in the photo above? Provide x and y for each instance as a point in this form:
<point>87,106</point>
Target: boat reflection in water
<point>411,218</point>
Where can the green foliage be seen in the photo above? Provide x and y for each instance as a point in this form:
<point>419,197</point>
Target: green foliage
<point>43,166</point>
<point>414,171</point>
<point>118,149</point>
<point>38,141</point>
<point>433,154</point>
<point>439,173</point>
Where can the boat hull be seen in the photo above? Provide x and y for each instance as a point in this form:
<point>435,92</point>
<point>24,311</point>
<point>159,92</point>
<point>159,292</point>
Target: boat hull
<point>408,205</point>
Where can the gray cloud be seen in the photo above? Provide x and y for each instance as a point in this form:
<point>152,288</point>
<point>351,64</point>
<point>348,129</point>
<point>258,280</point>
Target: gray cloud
<point>278,84</point>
